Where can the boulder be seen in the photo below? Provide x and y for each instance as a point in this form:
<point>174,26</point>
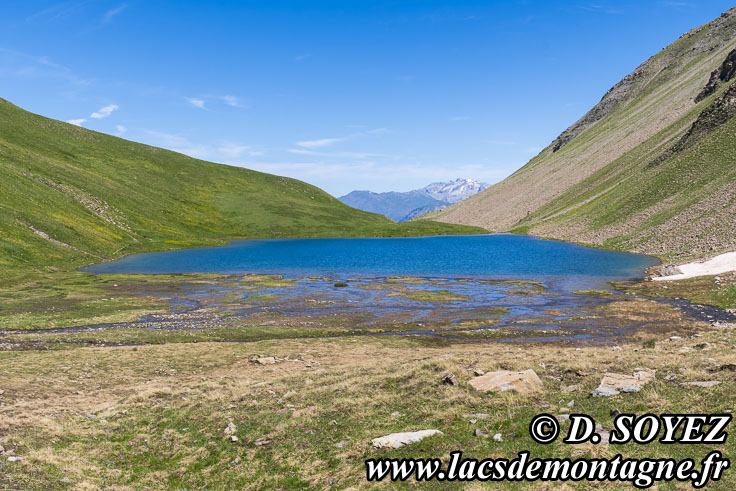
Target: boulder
<point>613,384</point>
<point>264,360</point>
<point>524,382</point>
<point>396,440</point>
<point>450,379</point>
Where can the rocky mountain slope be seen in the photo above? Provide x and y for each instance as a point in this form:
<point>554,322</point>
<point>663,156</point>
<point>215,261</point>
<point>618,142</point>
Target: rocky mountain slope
<point>405,206</point>
<point>70,196</point>
<point>651,168</point>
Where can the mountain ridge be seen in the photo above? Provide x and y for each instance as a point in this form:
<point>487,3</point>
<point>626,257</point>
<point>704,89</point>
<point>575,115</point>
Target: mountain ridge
<point>596,183</point>
<point>404,206</point>
<point>71,196</point>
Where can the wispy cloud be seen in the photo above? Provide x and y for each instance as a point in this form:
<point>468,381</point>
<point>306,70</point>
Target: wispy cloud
<point>378,131</point>
<point>233,101</point>
<point>77,122</point>
<point>340,155</point>
<point>198,103</point>
<point>121,130</point>
<point>104,112</point>
<point>22,65</point>
<point>225,153</point>
<point>677,5</point>
<point>302,57</point>
<point>325,142</point>
<point>601,9</point>
<point>233,150</point>
<point>59,11</point>
<point>110,14</point>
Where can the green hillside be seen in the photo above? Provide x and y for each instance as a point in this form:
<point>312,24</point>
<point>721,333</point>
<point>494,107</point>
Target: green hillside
<point>70,196</point>
<point>651,168</point>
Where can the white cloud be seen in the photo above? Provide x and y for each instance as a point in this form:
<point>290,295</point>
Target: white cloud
<point>104,112</point>
<point>121,130</point>
<point>325,142</point>
<point>459,118</point>
<point>199,103</point>
<point>77,122</point>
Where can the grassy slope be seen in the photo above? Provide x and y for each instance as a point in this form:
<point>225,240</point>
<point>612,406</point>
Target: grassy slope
<point>106,197</point>
<point>596,193</point>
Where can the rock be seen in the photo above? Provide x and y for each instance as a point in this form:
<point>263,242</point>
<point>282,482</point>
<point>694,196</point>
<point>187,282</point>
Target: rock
<point>341,444</point>
<point>478,415</point>
<point>571,388</point>
<point>264,360</point>
<point>66,480</point>
<point>396,414</point>
<point>524,382</point>
<point>262,441</point>
<point>614,412</point>
<point>396,440</point>
<point>233,438</point>
<point>731,367</point>
<point>703,346</point>
<point>450,379</point>
<point>231,429</point>
<point>476,372</point>
<point>616,348</point>
<point>707,383</point>
<point>604,433</point>
<point>564,409</point>
<point>613,384</point>
<point>236,460</point>
<point>480,434</point>
<point>332,423</point>
<point>675,338</point>
<point>497,437</point>
<point>669,270</point>
<point>14,459</point>
<point>604,392</point>
<point>562,417</point>
<point>571,404</point>
<point>473,421</point>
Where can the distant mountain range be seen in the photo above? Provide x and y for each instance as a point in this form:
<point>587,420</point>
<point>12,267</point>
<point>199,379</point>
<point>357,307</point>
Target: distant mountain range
<point>402,207</point>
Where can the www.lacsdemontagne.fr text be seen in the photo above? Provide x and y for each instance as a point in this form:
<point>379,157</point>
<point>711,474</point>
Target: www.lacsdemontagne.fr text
<point>642,473</point>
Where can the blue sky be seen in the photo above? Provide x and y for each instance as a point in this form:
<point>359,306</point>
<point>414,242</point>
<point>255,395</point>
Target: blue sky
<point>379,95</point>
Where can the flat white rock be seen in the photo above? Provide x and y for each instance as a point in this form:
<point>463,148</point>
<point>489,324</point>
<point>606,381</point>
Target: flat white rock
<point>524,382</point>
<point>396,440</point>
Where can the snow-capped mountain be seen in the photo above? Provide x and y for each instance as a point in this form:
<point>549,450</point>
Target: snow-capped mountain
<point>453,191</point>
<point>401,207</point>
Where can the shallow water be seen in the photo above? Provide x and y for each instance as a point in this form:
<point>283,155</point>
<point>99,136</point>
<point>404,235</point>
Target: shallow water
<point>496,256</point>
<point>473,288</point>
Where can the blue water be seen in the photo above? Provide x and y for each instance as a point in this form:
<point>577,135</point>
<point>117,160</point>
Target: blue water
<point>496,256</point>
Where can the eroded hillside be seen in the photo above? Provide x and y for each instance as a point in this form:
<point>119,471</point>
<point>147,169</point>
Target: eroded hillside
<point>651,168</point>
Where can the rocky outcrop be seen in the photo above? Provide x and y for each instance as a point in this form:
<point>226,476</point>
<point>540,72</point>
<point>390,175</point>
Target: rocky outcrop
<point>723,73</point>
<point>722,109</point>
